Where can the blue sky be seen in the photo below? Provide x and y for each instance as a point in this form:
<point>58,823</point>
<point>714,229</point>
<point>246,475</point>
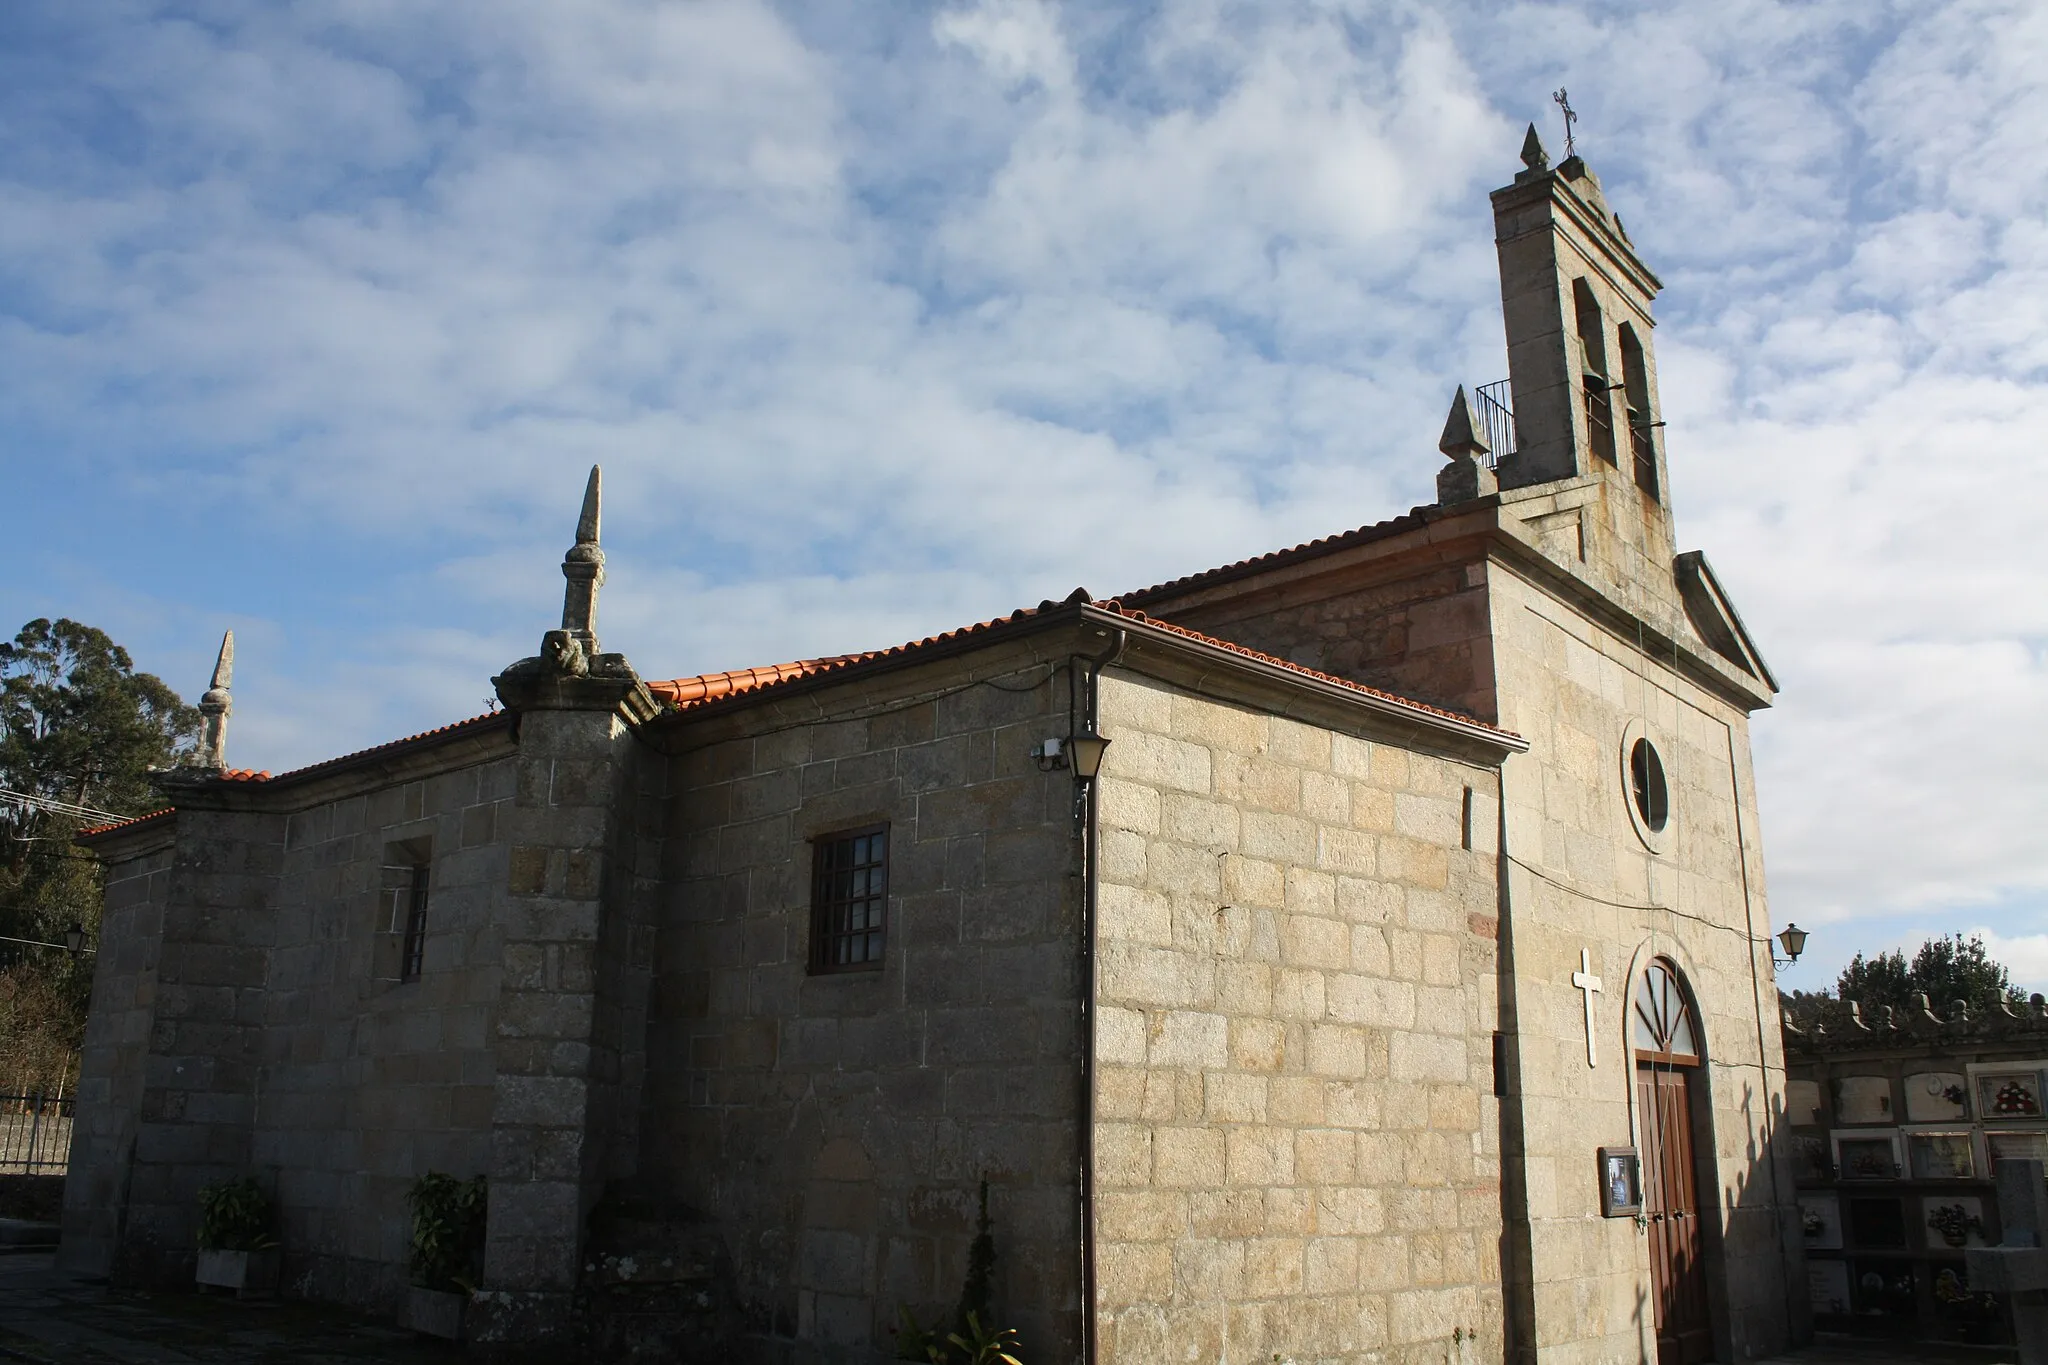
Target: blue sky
<point>887,318</point>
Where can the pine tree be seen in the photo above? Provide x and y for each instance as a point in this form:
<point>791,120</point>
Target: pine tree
<point>80,727</point>
<point>1947,968</point>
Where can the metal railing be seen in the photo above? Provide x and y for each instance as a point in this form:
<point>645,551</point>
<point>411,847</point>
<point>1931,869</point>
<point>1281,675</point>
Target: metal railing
<point>1497,415</point>
<point>35,1133</point>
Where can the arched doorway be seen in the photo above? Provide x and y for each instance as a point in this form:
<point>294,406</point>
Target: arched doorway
<point>1668,1069</point>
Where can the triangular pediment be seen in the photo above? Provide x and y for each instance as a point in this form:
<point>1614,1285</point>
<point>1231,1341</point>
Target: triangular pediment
<point>1715,619</point>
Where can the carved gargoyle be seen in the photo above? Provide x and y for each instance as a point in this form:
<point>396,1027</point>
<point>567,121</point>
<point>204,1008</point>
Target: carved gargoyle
<point>563,653</point>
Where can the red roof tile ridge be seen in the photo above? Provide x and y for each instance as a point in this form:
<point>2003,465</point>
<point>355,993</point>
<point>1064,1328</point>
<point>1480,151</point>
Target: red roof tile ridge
<point>1273,559</point>
<point>129,823</point>
<point>684,693</point>
<point>687,692</point>
<point>716,686</point>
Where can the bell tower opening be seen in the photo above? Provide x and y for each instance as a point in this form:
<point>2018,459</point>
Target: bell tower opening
<point>1582,374</point>
<point>1599,404</point>
<point>1635,387</point>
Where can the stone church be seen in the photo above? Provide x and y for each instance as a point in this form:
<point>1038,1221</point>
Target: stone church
<point>1354,953</point>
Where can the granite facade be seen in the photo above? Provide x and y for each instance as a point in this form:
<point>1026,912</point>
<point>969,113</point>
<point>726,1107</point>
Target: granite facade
<point>836,1126</point>
<point>1296,1143</point>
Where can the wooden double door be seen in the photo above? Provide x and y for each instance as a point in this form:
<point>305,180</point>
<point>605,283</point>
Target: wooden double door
<point>1678,1268</point>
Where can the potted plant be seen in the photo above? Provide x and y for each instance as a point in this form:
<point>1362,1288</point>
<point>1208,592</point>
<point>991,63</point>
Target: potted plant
<point>447,1251</point>
<point>236,1248</point>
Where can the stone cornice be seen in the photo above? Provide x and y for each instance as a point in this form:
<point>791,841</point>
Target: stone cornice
<point>1592,224</point>
<point>532,685</point>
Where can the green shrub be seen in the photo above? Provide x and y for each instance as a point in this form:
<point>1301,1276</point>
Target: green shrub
<point>977,1294</point>
<point>235,1215</point>
<point>447,1231</point>
<point>978,1345</point>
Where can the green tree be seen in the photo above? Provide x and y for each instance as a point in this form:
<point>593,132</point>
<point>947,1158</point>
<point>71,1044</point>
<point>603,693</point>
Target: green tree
<point>79,728</point>
<point>1948,968</point>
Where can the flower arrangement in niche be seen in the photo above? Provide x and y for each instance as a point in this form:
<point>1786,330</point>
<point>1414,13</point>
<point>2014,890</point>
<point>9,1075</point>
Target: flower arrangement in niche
<point>1951,1292</point>
<point>1956,1095</point>
<point>1955,1224</point>
<point>1868,1163</point>
<point>2014,1099</point>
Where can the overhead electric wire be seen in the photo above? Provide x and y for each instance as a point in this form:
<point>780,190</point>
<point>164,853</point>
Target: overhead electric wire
<point>56,807</point>
<point>38,943</point>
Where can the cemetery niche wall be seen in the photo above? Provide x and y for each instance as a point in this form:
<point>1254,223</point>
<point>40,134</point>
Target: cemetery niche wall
<point>1899,1123</point>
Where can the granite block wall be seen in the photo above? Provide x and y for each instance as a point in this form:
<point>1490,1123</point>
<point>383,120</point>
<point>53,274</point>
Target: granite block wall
<point>201,1067</point>
<point>369,1080</point>
<point>1297,1144</point>
<point>834,1128</point>
<point>575,942</point>
<point>111,1063</point>
<point>249,1019</point>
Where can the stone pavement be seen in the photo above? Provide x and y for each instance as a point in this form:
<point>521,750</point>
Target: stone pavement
<point>48,1317</point>
<point>53,1318</point>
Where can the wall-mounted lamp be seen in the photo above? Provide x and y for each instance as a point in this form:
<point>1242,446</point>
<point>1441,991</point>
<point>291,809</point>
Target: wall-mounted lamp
<point>1082,753</point>
<point>1794,940</point>
<point>74,938</point>
<point>1086,752</point>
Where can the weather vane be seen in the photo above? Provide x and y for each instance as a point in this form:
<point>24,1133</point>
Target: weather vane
<point>1571,116</point>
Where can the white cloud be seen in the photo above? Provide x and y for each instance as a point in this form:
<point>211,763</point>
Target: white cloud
<point>311,318</point>
<point>2024,955</point>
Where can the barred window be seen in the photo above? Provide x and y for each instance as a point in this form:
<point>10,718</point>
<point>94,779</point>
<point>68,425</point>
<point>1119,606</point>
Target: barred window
<point>399,945</point>
<point>849,899</point>
<point>414,952</point>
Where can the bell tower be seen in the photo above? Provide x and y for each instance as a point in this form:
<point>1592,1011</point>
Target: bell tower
<point>1582,368</point>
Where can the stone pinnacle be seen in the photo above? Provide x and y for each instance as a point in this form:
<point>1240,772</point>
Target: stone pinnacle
<point>215,706</point>
<point>1461,430</point>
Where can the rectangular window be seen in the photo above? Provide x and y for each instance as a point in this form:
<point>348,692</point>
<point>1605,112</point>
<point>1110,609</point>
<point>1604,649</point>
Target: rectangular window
<point>414,951</point>
<point>849,899</point>
<point>398,947</point>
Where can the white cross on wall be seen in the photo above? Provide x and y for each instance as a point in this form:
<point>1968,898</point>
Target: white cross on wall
<point>1584,979</point>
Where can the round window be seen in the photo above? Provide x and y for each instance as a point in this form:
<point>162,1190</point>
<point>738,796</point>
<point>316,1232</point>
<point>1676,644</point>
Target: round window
<point>1646,785</point>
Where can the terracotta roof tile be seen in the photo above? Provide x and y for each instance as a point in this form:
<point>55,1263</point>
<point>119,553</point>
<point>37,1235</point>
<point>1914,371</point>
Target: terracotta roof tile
<point>688,693</point>
<point>129,823</point>
<point>684,693</point>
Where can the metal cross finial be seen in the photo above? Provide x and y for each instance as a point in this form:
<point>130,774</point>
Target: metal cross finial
<point>1571,116</point>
